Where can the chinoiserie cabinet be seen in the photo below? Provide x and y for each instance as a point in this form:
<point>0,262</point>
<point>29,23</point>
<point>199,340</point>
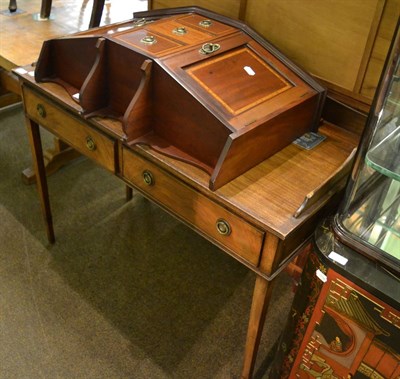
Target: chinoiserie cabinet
<point>345,319</point>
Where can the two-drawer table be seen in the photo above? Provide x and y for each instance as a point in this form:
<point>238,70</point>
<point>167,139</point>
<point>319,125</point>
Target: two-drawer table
<point>263,200</point>
<point>252,218</point>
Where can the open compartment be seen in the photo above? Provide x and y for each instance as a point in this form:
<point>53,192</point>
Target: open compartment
<point>117,82</point>
<point>180,126</point>
<point>67,61</point>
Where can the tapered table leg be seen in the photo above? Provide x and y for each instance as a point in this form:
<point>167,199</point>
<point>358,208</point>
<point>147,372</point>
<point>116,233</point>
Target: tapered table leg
<point>97,11</point>
<point>128,193</point>
<point>54,158</point>
<point>41,181</point>
<point>45,9</point>
<point>12,6</point>
<point>261,297</point>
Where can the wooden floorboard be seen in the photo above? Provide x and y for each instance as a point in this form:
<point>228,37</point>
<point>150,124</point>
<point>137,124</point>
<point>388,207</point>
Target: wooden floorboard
<point>22,35</point>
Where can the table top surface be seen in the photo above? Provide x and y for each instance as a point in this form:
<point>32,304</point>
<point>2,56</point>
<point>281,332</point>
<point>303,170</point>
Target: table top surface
<point>22,36</point>
<point>272,192</point>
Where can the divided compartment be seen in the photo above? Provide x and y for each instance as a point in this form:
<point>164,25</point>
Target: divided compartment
<point>118,87</point>
<point>104,77</point>
<point>67,62</point>
<point>180,126</point>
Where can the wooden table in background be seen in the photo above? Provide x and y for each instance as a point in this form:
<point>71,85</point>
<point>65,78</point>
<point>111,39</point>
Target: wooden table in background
<point>21,39</point>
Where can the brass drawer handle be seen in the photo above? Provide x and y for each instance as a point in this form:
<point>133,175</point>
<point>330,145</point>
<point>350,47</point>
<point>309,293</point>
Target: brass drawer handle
<point>223,227</point>
<point>139,23</point>
<point>209,48</point>
<point>148,40</point>
<point>180,30</point>
<point>90,144</point>
<point>148,178</point>
<point>41,110</point>
<point>205,23</point>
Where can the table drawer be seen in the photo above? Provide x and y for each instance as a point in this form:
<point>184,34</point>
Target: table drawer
<point>202,213</point>
<point>83,138</point>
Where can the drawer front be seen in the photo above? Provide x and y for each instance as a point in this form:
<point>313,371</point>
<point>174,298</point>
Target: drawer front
<point>213,220</point>
<point>83,138</point>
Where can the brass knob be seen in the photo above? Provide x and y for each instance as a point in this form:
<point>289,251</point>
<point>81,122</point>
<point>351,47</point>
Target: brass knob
<point>223,227</point>
<point>148,178</point>
<point>41,110</point>
<point>90,144</point>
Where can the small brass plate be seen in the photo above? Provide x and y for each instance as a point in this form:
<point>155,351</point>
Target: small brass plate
<point>309,140</point>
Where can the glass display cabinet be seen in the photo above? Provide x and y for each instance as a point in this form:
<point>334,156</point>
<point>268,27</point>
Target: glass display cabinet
<point>345,317</point>
<point>369,220</point>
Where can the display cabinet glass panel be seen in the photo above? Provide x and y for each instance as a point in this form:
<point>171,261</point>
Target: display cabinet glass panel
<point>369,220</point>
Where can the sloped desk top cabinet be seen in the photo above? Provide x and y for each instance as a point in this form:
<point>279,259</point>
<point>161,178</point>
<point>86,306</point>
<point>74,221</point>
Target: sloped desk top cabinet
<point>198,113</point>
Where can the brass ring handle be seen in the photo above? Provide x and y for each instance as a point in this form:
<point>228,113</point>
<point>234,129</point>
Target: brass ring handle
<point>139,23</point>
<point>209,48</point>
<point>205,23</point>
<point>90,144</point>
<point>148,178</point>
<point>148,40</point>
<point>223,227</point>
<point>41,110</point>
<point>180,30</point>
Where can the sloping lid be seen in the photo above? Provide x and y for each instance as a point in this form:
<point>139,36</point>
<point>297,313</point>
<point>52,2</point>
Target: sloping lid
<point>239,79</point>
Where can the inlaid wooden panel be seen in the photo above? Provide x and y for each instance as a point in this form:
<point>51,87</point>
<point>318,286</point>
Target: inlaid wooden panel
<point>254,80</point>
<point>213,27</point>
<point>180,32</point>
<point>159,47</point>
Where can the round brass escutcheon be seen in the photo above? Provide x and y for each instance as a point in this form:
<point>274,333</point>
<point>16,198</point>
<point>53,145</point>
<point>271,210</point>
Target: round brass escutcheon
<point>223,227</point>
<point>90,144</point>
<point>41,110</point>
<point>148,178</point>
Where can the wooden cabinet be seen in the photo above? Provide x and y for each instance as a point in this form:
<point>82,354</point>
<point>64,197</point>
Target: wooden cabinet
<point>345,321</point>
<point>345,318</point>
